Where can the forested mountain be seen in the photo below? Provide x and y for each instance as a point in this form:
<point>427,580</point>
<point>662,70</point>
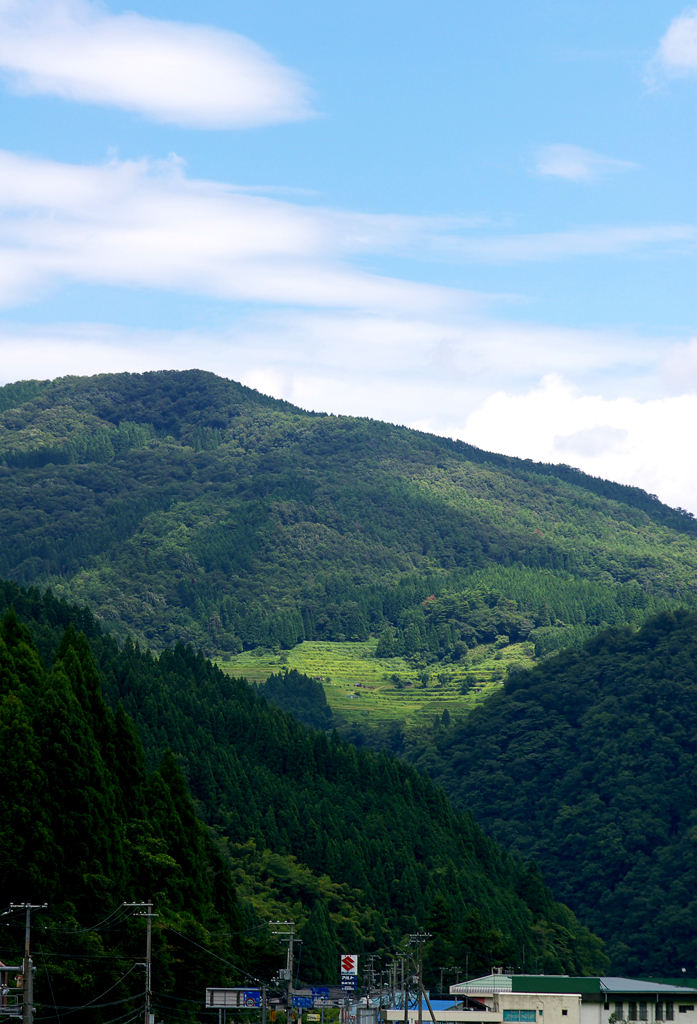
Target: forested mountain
<point>588,763</point>
<point>356,847</point>
<point>185,507</point>
<point>85,828</point>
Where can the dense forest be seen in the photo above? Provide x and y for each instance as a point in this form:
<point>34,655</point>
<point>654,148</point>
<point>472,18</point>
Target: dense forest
<point>184,507</point>
<point>85,828</point>
<point>196,517</point>
<point>588,763</point>
<point>231,813</point>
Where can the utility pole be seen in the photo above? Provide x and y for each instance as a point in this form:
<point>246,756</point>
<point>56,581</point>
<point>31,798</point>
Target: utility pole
<point>148,914</point>
<point>27,965</point>
<point>405,992</point>
<point>370,979</point>
<point>263,1003</point>
<point>283,930</point>
<point>418,940</point>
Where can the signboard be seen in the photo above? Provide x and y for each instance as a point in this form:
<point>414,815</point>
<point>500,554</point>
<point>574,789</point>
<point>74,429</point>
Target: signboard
<point>323,992</point>
<point>237,998</point>
<point>312,1016</point>
<point>349,964</point>
<point>349,981</point>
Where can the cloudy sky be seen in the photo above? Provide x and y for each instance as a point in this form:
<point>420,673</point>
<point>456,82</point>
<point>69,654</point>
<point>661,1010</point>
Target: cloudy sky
<point>477,219</point>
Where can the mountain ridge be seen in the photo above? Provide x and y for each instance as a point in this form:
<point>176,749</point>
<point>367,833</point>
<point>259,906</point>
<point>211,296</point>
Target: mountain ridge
<point>18,393</point>
<point>181,506</point>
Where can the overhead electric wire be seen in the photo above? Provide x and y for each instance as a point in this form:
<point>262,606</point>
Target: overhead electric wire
<point>117,1020</point>
<point>89,956</point>
<point>211,953</point>
<point>48,976</point>
<point>93,1003</point>
<point>179,999</point>
<point>245,931</point>
<point>90,1006</point>
<point>119,914</point>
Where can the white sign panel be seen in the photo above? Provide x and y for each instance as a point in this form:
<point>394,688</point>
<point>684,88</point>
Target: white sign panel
<point>349,963</point>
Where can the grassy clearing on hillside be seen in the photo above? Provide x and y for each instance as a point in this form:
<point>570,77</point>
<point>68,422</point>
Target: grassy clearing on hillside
<point>360,686</point>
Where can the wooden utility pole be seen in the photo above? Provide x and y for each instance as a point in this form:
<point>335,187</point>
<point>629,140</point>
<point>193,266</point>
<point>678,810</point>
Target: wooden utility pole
<point>418,940</point>
<point>27,964</point>
<point>405,991</point>
<point>283,930</point>
<point>148,914</point>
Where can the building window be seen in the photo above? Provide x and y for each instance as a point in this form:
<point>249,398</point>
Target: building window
<point>512,1016</point>
<point>564,1013</point>
<point>659,1011</point>
<point>619,1010</point>
<point>643,1011</point>
<point>631,1011</point>
<point>606,1006</point>
<point>669,1011</point>
<point>684,1009</point>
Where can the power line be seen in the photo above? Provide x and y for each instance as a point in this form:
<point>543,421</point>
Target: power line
<point>90,1006</point>
<point>48,976</point>
<point>93,1002</point>
<point>93,1005</point>
<point>119,913</point>
<point>211,953</point>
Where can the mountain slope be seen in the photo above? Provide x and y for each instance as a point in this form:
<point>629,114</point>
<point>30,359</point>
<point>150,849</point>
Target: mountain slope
<point>182,506</point>
<point>86,828</point>
<point>588,763</point>
<point>309,821</point>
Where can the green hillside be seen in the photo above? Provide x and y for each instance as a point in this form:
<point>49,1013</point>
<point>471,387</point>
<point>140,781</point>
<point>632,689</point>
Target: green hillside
<point>588,763</point>
<point>184,507</point>
<point>363,690</point>
<point>85,828</point>
<point>356,847</point>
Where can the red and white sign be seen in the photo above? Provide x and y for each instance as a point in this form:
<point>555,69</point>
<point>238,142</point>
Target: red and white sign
<point>349,963</point>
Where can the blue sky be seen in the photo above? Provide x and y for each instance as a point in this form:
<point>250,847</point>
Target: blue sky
<point>471,218</point>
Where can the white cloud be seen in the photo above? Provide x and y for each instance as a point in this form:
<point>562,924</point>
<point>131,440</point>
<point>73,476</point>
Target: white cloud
<point>147,225</point>
<point>646,444</point>
<point>554,245</point>
<point>677,51</point>
<point>679,367</point>
<point>143,224</point>
<point>184,74</point>
<point>574,163</point>
<point>331,336</point>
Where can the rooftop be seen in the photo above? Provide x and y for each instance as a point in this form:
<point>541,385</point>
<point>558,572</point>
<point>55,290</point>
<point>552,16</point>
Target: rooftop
<point>549,983</point>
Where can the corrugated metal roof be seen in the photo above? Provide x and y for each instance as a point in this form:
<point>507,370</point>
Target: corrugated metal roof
<point>550,983</point>
<point>489,983</point>
<point>628,985</point>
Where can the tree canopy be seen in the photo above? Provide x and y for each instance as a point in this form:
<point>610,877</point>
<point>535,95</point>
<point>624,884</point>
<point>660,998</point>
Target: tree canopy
<point>587,763</point>
<point>184,507</point>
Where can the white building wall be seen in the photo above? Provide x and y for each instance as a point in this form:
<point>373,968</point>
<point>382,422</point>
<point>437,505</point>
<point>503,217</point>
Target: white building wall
<point>549,1007</point>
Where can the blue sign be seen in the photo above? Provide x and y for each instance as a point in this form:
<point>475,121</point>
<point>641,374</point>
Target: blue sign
<point>252,997</point>
<point>349,981</point>
<point>303,1002</point>
<point>324,992</point>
